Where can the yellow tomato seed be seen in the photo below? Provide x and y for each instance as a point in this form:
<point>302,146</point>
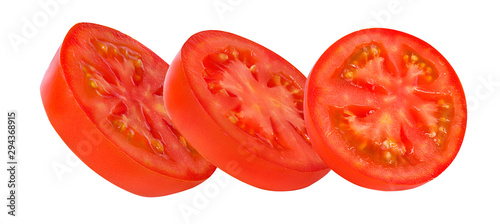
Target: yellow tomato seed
<point>93,84</point>
<point>183,141</point>
<point>414,58</point>
<point>253,68</point>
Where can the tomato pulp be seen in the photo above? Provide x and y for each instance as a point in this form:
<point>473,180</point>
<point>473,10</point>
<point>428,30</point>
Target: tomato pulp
<point>241,106</point>
<point>385,110</point>
<point>103,94</point>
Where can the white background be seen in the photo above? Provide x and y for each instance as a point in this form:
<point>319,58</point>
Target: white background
<point>467,34</point>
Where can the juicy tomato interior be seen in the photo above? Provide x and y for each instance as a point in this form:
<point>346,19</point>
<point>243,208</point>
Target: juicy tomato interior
<point>120,89</point>
<point>390,105</point>
<point>248,91</point>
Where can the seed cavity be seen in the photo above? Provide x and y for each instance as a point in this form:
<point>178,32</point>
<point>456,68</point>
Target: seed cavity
<point>422,68</point>
<point>129,133</point>
<point>373,140</point>
<point>363,55</point>
<point>119,109</point>
<point>95,80</point>
<point>354,69</point>
<point>435,116</point>
<point>274,81</point>
<point>121,54</point>
<point>180,137</point>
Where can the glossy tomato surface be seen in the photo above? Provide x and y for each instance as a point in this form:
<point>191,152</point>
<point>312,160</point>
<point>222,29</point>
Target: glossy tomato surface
<point>103,94</point>
<point>385,110</point>
<point>241,106</point>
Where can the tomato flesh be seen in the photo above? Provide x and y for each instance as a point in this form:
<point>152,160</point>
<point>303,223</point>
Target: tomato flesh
<point>118,85</point>
<point>387,109</point>
<point>256,98</point>
<point>237,86</point>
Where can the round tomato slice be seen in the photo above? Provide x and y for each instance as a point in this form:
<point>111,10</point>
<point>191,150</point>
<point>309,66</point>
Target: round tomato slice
<point>103,94</point>
<point>241,105</point>
<point>385,110</point>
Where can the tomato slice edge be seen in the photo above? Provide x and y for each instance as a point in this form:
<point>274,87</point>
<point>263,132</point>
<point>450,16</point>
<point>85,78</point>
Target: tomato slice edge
<point>72,42</point>
<point>221,39</point>
<point>334,53</point>
<point>61,108</point>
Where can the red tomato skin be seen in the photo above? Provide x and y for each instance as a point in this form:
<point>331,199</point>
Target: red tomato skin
<point>195,123</point>
<point>347,172</point>
<point>83,137</point>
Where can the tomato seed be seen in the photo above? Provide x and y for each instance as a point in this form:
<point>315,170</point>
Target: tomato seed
<point>235,54</point>
<point>421,66</point>
<point>348,74</point>
<point>253,68</point>
<point>274,81</point>
<point>183,141</point>
<point>102,49</point>
<point>222,57</point>
<point>156,145</point>
<point>414,58</point>
<point>375,50</point>
<point>233,119</point>
<point>93,83</point>
<point>405,58</point>
<point>112,52</point>
<point>428,70</point>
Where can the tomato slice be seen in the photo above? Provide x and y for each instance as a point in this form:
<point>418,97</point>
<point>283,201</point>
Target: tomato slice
<point>103,93</point>
<point>385,110</point>
<point>241,105</point>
